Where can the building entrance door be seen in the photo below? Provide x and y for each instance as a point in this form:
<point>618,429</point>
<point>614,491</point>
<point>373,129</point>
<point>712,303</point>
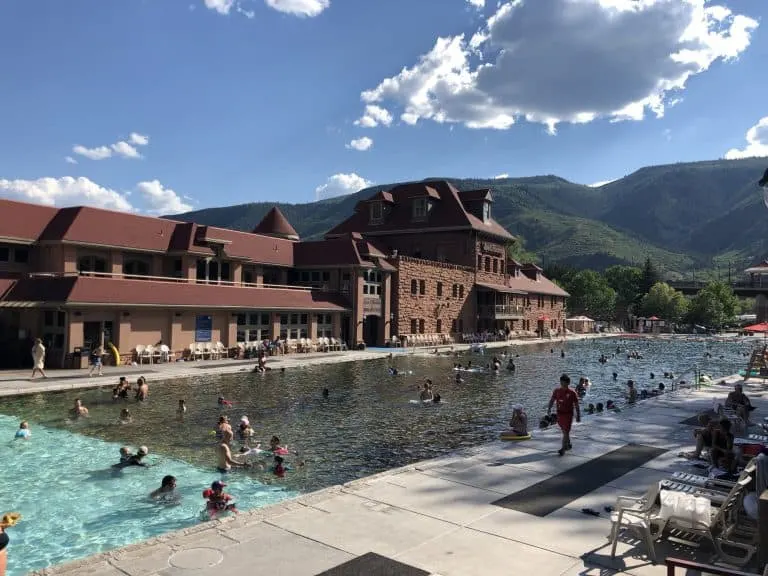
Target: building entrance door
<point>371,331</point>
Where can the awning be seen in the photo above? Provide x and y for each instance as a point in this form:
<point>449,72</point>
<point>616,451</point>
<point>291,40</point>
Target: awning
<point>579,319</point>
<point>543,318</point>
<point>500,288</point>
<point>762,327</point>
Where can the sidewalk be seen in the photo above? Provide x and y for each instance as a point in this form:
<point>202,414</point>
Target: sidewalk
<point>15,382</point>
<point>441,517</point>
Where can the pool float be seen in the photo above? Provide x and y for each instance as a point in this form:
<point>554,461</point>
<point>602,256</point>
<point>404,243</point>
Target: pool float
<point>472,370</point>
<point>510,436</point>
<point>115,353</point>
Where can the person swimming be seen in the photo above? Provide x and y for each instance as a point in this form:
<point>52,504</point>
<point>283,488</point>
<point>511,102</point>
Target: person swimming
<point>167,491</point>
<point>217,500</point>
<point>222,402</point>
<point>120,392</point>
<point>125,416</point>
<point>511,365</point>
<point>326,393</point>
<point>590,409</point>
<point>426,393</point>
<point>182,409</point>
<point>128,459</point>
<point>142,393</point>
<point>23,433</point>
<point>393,371</point>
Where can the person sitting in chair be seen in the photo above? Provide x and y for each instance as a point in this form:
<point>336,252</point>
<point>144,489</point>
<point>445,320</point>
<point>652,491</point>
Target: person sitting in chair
<point>739,403</point>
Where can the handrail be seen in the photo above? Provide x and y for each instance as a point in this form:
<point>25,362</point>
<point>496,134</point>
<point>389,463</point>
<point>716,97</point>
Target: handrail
<point>171,279</point>
<point>673,563</point>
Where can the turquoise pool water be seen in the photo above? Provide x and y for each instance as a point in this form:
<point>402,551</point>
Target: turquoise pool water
<point>74,505</point>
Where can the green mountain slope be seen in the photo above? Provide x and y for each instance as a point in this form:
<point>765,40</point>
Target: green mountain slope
<point>683,216</point>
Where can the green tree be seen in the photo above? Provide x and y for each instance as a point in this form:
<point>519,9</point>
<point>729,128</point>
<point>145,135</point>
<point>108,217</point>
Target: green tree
<point>649,276</point>
<point>625,280</point>
<point>714,306</point>
<point>591,295</point>
<point>665,302</point>
<point>517,251</point>
<point>560,273</point>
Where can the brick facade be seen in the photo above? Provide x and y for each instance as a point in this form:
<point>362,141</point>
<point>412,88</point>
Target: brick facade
<point>444,301</point>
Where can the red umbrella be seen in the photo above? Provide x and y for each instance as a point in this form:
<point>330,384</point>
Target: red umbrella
<point>653,318</point>
<point>543,318</point>
<point>762,327</point>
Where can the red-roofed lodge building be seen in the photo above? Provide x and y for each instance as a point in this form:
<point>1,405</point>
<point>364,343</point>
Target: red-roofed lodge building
<point>418,259</point>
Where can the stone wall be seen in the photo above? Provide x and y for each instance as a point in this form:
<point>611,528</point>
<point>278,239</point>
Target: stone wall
<point>436,312</point>
<point>489,260</point>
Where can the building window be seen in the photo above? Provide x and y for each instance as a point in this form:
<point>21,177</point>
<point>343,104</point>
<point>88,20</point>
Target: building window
<point>324,325</point>
<point>552,301</point>
<point>439,326</point>
<point>454,326</point>
<point>293,326</point>
<point>5,254</point>
<point>486,211</point>
<point>461,292</point>
<point>20,255</point>
<point>501,266</point>
<point>414,287</point>
<point>376,212</point>
<point>455,290</point>
<point>495,265</point>
<point>413,325</point>
<point>419,208</point>
<point>461,325</point>
<point>254,326</point>
<point>487,263</point>
<point>422,287</point>
<point>136,268</point>
<point>91,264</point>
<point>541,301</point>
<point>372,282</point>
<point>439,289</point>
<point>479,262</point>
<point>421,326</point>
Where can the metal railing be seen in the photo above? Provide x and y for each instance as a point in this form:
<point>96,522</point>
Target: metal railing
<point>494,311</point>
<point>690,566</point>
<point>171,279</point>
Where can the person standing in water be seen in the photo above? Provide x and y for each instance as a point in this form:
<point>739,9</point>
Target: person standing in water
<point>567,404</point>
<point>38,358</point>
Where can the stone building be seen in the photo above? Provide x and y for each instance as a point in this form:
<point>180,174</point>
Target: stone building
<point>418,259</point>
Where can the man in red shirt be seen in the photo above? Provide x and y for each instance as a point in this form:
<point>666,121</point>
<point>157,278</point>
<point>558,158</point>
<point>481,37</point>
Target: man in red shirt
<point>567,402</point>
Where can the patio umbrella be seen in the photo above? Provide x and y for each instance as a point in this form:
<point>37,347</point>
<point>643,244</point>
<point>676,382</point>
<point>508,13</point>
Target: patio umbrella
<point>759,328</point>
<point>653,318</point>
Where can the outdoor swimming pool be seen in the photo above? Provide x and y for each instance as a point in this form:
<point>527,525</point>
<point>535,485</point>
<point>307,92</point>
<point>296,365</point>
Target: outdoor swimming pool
<point>74,506</point>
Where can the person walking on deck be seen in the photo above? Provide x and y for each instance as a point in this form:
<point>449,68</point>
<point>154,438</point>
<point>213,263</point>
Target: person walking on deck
<point>567,404</point>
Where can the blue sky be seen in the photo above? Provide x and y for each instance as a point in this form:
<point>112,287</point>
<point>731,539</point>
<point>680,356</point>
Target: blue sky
<point>195,103</point>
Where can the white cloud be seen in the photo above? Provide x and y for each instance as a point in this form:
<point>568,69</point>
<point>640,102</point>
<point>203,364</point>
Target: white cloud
<point>161,200</point>
<point>70,191</point>
<point>220,6</point>
<point>374,116</point>
<point>138,139</point>
<point>340,185</point>
<point>65,191</point>
<point>552,61</point>
<point>479,4</point>
<point>70,160</point>
<point>360,144</point>
<point>310,8</point>
<point>501,176</point>
<point>757,142</point>
<point>601,183</point>
<point>120,148</point>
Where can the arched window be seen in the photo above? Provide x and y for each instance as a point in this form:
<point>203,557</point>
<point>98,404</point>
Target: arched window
<point>90,264</point>
<point>136,268</point>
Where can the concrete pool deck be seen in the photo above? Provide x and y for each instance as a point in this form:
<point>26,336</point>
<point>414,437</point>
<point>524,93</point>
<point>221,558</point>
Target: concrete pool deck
<point>438,515</point>
<point>17,382</point>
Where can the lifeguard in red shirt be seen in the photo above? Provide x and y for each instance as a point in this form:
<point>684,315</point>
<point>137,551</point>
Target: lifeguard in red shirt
<point>567,403</point>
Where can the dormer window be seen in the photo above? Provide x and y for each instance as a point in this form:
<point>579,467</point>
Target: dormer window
<point>376,212</point>
<point>486,211</point>
<point>420,208</point>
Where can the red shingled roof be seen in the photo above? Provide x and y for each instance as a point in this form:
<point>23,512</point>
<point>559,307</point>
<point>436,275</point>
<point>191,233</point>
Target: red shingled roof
<point>84,290</point>
<point>541,286</point>
<point>275,223</point>
<point>448,212</point>
<point>333,252</point>
<point>23,221</point>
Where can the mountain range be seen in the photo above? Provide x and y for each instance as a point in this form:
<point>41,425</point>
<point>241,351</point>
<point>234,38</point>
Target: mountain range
<point>696,218</point>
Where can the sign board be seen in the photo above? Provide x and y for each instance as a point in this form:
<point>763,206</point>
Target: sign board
<point>203,328</point>
<point>372,306</point>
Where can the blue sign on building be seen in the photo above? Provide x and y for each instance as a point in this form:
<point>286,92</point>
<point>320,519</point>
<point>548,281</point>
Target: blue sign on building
<point>203,328</point>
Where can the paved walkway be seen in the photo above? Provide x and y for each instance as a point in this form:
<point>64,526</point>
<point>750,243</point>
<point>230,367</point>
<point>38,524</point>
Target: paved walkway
<point>437,515</point>
<point>14,382</point>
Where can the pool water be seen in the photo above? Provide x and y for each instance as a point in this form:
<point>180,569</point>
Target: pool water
<point>74,506</point>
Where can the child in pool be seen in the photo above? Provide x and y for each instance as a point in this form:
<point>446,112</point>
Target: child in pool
<point>279,468</point>
<point>218,500</point>
<point>182,409</point>
<point>23,432</point>
<point>276,448</point>
<point>125,416</point>
<point>223,402</point>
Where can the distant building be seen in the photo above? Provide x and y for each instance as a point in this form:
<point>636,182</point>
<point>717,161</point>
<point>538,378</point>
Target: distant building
<point>418,259</point>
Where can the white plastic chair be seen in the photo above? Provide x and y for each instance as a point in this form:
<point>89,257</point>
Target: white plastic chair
<point>638,514</point>
<point>165,353</point>
<point>147,353</point>
<point>139,352</point>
